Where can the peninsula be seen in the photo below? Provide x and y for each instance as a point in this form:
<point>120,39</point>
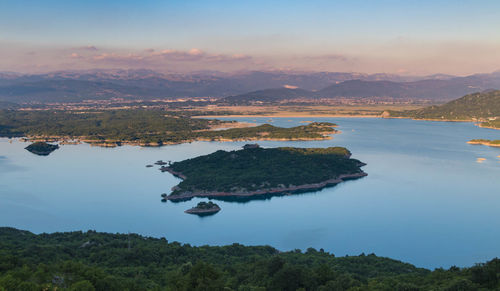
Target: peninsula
<point>487,142</point>
<point>254,172</point>
<point>204,209</point>
<point>41,148</point>
<point>143,128</point>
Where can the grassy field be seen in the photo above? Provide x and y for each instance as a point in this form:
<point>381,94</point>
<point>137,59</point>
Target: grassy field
<point>302,111</point>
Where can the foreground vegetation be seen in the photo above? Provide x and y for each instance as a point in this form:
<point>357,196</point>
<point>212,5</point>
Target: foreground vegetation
<point>139,127</point>
<point>254,171</point>
<point>102,261</point>
<point>477,106</point>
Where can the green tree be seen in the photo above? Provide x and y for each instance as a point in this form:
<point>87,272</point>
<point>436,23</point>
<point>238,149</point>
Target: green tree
<point>83,285</point>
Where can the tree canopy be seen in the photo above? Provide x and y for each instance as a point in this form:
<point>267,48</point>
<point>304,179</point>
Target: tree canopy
<point>104,261</point>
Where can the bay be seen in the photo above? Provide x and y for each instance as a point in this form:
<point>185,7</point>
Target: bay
<point>426,199</point>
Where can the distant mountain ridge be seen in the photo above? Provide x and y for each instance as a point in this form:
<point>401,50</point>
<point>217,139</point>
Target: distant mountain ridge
<point>436,90</point>
<point>74,86</point>
<point>269,95</point>
<point>423,89</point>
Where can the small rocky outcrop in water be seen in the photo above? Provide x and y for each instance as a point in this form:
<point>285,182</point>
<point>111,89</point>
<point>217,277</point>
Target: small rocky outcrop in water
<point>204,208</point>
<point>41,148</point>
<point>251,146</point>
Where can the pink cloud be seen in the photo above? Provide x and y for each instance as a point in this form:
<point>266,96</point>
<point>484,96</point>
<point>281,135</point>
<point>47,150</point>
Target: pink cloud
<point>329,57</point>
<point>88,48</point>
<point>117,57</point>
<point>167,56</point>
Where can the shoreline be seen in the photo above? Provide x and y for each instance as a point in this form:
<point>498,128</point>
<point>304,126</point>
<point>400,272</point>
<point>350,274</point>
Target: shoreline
<point>428,119</point>
<point>284,116</point>
<point>267,191</point>
<point>486,143</point>
<point>490,127</point>
<point>112,143</point>
<point>476,123</point>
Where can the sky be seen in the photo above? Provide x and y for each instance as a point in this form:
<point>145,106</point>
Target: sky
<point>458,37</point>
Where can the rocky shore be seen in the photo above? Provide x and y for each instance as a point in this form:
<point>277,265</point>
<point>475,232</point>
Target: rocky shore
<point>176,174</point>
<point>273,191</point>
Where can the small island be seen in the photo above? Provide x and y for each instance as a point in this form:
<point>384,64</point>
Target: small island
<point>204,209</point>
<point>487,142</point>
<point>41,148</point>
<point>255,172</point>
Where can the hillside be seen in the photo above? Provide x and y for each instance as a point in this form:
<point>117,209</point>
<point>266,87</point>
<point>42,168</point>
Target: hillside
<point>424,89</point>
<point>269,95</point>
<point>104,261</point>
<point>477,106</point>
<point>430,89</point>
<point>71,91</point>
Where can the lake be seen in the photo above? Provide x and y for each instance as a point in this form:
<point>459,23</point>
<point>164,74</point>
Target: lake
<point>426,199</point>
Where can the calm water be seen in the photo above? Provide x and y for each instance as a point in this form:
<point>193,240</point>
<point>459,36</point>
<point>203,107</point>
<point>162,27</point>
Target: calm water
<point>426,200</point>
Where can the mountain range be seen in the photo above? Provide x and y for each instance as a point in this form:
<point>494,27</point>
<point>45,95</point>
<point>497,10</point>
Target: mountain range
<point>75,86</point>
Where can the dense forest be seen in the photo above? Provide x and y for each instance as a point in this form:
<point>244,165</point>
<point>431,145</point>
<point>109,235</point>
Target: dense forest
<point>258,168</point>
<point>470,107</point>
<point>138,126</point>
<point>130,125</point>
<point>102,261</point>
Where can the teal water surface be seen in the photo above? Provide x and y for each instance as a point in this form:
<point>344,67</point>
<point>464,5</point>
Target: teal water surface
<point>426,199</point>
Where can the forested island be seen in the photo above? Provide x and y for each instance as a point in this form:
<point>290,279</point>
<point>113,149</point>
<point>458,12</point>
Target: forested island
<point>481,107</point>
<point>254,172</point>
<point>103,261</point>
<point>41,148</point>
<point>487,142</point>
<point>204,208</point>
<point>142,127</point>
